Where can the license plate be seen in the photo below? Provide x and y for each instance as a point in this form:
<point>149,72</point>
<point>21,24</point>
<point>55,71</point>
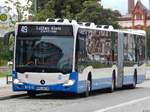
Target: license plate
<point>42,88</point>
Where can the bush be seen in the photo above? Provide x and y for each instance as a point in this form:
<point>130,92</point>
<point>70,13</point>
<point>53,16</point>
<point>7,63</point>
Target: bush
<point>5,53</point>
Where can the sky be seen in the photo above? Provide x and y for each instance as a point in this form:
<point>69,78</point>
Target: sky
<point>2,2</point>
<point>121,5</point>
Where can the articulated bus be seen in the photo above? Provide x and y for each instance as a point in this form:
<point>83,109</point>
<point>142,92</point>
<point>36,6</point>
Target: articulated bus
<point>66,56</point>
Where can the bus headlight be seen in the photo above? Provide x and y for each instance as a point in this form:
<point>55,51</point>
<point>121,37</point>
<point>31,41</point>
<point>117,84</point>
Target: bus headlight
<point>17,81</point>
<point>69,83</point>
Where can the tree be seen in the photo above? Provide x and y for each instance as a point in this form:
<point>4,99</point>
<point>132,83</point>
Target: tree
<point>5,53</point>
<point>98,14</point>
<point>6,48</point>
<point>45,10</point>
<point>20,9</point>
<point>56,9</point>
<point>91,12</point>
<point>81,10</point>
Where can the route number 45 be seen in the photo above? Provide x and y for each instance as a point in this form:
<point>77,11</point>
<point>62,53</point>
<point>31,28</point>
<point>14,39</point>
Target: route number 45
<point>24,29</point>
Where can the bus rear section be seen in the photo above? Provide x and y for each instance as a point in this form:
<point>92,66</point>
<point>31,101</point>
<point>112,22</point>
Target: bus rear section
<point>109,58</point>
<point>44,58</point>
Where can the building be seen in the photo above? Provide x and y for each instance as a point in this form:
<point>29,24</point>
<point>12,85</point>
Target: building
<point>130,6</point>
<point>138,16</point>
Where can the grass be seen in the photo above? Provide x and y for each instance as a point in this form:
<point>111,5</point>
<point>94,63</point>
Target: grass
<point>4,74</point>
<point>148,65</point>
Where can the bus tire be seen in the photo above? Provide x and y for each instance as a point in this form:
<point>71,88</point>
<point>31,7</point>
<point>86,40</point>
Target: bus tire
<point>133,86</point>
<point>88,88</point>
<point>31,94</point>
<point>112,88</point>
<point>88,85</point>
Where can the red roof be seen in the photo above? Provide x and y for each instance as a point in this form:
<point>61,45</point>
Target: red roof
<point>142,7</point>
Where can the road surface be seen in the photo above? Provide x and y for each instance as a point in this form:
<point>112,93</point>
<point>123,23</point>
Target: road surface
<point>125,100</point>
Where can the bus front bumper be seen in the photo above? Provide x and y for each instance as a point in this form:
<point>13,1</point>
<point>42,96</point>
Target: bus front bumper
<point>46,88</point>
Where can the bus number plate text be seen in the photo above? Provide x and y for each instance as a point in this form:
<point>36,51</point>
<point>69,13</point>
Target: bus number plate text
<point>42,88</point>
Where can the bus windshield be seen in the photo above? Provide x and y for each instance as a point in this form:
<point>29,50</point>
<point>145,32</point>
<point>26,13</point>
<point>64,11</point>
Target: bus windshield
<point>44,54</point>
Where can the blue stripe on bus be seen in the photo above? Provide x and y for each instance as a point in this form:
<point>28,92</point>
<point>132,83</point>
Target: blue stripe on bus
<point>14,74</point>
<point>96,84</point>
<point>128,79</point>
<point>79,86</point>
<point>55,87</point>
<point>33,87</point>
<point>107,82</point>
<point>140,78</point>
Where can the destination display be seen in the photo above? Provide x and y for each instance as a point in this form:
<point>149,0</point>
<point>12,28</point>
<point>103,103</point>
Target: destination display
<point>44,30</point>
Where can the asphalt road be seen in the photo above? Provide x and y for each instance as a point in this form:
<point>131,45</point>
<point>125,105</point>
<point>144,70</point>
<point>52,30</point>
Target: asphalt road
<point>125,100</point>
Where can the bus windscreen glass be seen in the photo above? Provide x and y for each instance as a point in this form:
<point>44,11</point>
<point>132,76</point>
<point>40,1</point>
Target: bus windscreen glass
<point>44,48</point>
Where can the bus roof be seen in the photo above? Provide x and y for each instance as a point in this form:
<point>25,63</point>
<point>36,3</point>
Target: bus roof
<point>85,25</point>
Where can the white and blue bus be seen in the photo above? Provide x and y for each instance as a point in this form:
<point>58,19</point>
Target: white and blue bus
<point>65,56</point>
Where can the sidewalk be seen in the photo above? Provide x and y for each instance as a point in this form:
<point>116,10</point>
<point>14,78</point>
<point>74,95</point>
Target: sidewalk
<point>3,83</point>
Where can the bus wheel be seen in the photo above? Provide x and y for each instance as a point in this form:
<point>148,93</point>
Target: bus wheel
<point>134,80</point>
<point>31,94</point>
<point>112,88</point>
<point>113,85</point>
<point>88,88</point>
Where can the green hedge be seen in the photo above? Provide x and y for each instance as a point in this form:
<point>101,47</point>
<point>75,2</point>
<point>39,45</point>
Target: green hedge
<point>5,53</point>
<point>4,74</point>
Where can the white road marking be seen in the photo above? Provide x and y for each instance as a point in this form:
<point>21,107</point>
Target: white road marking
<point>123,104</point>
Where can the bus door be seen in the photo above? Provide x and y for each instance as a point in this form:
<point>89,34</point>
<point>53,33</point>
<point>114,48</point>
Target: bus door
<point>119,77</point>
